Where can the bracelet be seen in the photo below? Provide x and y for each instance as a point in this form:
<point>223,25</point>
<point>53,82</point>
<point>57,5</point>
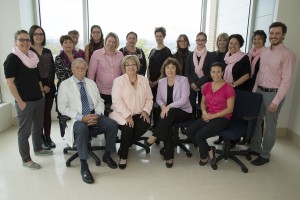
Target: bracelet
<point>233,84</point>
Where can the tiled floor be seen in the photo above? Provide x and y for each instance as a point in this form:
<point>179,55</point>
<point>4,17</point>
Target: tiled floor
<point>146,176</point>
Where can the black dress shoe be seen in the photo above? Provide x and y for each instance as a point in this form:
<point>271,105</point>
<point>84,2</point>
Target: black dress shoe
<point>169,165</point>
<point>213,159</point>
<point>123,166</point>
<point>87,176</point>
<point>45,145</point>
<point>202,163</point>
<point>50,142</point>
<point>111,163</point>
<point>147,144</point>
<point>218,141</point>
<point>259,161</point>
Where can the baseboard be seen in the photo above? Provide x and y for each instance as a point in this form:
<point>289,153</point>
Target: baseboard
<point>294,137</point>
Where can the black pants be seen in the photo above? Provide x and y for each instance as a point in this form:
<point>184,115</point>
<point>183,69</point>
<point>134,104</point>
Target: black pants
<point>200,130</point>
<point>130,135</point>
<point>164,129</point>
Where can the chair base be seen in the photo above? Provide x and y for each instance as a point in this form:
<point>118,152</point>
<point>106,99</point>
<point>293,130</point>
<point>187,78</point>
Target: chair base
<point>90,153</point>
<point>225,153</point>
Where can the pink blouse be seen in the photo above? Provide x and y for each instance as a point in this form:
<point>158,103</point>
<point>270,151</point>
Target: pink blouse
<point>217,101</point>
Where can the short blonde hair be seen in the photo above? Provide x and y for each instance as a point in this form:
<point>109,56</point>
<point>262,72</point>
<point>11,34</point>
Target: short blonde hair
<point>132,58</point>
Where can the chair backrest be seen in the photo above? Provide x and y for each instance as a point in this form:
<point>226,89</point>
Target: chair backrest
<point>246,103</point>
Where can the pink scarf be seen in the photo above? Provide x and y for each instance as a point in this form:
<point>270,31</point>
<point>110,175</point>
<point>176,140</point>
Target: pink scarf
<point>30,61</point>
<point>199,65</point>
<point>230,61</point>
<point>255,55</point>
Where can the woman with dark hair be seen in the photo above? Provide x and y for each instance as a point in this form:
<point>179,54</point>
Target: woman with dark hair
<point>258,40</point>
<point>25,85</point>
<point>237,70</point>
<point>131,49</point>
<point>47,73</point>
<point>183,51</point>
<point>217,106</point>
<point>96,42</point>
<point>173,99</point>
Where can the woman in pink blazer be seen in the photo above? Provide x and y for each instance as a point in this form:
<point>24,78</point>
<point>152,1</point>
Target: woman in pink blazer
<point>132,102</point>
<point>173,98</point>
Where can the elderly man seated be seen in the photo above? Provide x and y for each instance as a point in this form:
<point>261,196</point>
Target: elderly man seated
<point>78,98</point>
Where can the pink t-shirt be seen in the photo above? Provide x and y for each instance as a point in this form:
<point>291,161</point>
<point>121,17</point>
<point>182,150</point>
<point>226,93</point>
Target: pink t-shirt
<point>217,101</point>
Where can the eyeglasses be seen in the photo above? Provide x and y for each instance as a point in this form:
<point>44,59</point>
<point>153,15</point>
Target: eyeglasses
<point>202,40</point>
<point>39,34</point>
<point>23,40</point>
<point>132,65</point>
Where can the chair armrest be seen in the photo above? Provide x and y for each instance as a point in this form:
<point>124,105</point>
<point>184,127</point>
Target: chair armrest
<point>249,117</point>
<point>64,118</point>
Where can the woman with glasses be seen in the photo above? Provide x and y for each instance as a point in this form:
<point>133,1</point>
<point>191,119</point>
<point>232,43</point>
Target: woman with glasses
<point>132,102</point>
<point>25,85</point>
<point>96,42</point>
<point>47,74</point>
<point>197,69</point>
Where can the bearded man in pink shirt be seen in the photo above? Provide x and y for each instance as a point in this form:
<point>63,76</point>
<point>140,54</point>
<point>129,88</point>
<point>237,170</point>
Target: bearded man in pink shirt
<point>273,81</point>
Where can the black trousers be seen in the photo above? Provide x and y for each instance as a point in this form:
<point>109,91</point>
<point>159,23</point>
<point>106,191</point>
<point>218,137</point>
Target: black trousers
<point>164,129</point>
<point>200,130</point>
<point>129,135</point>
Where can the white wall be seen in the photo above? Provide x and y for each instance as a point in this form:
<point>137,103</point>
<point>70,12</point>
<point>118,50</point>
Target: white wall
<point>14,15</point>
<point>288,12</point>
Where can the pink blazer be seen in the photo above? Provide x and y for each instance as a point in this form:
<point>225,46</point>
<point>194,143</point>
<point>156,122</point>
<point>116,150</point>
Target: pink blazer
<point>181,93</point>
<point>124,101</point>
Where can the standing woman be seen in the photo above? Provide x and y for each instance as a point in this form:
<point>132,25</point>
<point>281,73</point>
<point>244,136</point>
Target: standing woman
<point>217,106</point>
<point>237,71</point>
<point>222,48</point>
<point>105,66</point>
<point>132,103</point>
<point>47,74</point>
<point>96,42</point>
<point>183,51</point>
<point>157,57</point>
<point>258,40</point>
<point>197,69</point>
<point>173,98</point>
<point>75,36</point>
<point>131,49</point>
<point>24,83</point>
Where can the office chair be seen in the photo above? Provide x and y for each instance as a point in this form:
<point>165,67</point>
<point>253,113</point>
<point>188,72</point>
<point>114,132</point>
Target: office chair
<point>63,123</point>
<point>243,122</point>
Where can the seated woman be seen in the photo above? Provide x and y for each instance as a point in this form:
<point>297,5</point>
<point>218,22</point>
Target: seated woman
<point>173,98</point>
<point>132,102</point>
<point>216,105</point>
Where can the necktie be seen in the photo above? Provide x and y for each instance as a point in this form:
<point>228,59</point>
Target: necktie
<point>84,100</point>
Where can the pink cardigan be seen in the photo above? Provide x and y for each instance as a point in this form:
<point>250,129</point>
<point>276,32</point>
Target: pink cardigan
<point>124,101</point>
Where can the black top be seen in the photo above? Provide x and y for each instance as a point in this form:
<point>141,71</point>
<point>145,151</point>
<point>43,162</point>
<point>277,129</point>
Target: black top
<point>156,60</point>
<point>141,56</point>
<point>181,56</point>
<point>219,57</point>
<point>239,69</point>
<point>192,75</point>
<point>170,94</point>
<point>46,69</point>
<point>26,79</point>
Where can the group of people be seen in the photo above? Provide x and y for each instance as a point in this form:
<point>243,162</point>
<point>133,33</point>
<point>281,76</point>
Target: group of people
<point>103,76</point>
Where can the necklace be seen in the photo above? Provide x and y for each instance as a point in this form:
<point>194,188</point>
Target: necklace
<point>133,82</point>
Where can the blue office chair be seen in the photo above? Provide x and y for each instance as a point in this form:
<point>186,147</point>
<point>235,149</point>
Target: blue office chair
<point>246,109</point>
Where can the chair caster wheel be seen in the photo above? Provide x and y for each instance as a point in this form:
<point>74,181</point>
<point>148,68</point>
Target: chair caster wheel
<point>148,150</point>
<point>214,167</point>
<point>68,164</point>
<point>189,154</point>
<point>248,157</point>
<point>65,151</point>
<point>244,169</point>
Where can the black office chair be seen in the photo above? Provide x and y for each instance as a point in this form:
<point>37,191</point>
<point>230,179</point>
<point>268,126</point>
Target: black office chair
<point>243,122</point>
